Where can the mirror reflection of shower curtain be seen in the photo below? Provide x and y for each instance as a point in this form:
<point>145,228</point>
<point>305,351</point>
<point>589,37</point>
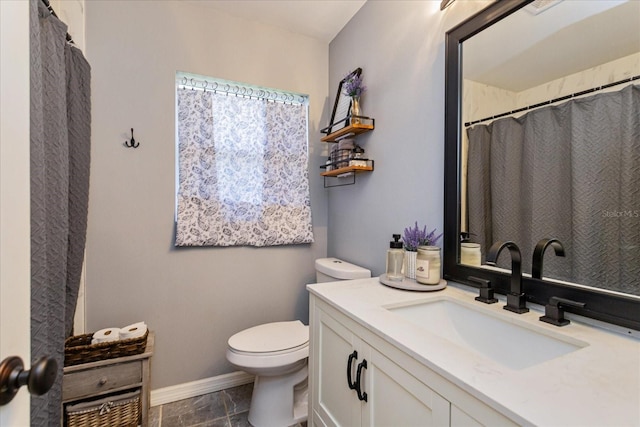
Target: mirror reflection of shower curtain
<point>60,149</point>
<point>572,172</point>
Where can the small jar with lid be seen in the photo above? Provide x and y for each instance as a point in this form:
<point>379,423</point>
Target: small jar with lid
<point>357,157</point>
<point>428,265</point>
<point>470,254</point>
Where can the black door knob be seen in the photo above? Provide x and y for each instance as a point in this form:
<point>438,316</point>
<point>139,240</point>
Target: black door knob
<point>38,379</point>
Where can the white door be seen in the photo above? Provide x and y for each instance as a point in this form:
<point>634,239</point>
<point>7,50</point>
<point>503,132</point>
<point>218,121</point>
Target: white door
<point>15,255</point>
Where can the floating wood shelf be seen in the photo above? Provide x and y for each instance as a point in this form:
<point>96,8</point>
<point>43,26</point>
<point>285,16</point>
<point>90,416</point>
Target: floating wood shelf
<point>347,169</point>
<point>354,128</point>
<point>361,125</point>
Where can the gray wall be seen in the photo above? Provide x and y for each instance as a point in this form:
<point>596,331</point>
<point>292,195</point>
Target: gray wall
<point>194,299</point>
<point>400,47</point>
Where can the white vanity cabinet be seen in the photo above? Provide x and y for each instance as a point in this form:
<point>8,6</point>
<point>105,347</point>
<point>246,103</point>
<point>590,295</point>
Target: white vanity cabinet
<point>400,391</point>
<point>393,397</point>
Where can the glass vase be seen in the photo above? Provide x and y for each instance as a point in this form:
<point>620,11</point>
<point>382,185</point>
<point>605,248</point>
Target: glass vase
<point>355,109</point>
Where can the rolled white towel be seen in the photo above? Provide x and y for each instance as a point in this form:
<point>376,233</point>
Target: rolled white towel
<point>135,330</point>
<point>106,335</point>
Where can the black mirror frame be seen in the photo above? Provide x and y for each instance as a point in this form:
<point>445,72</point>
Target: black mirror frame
<point>609,307</point>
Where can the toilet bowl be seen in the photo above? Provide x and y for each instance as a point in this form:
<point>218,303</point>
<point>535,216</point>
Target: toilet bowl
<point>277,354</point>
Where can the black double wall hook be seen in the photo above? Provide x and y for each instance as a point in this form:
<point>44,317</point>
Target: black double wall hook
<point>132,142</point>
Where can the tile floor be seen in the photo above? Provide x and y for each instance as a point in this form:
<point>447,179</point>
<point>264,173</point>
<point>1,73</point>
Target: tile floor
<point>225,408</point>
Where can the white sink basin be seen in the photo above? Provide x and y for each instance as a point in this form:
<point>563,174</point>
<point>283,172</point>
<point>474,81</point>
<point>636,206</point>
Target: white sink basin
<point>507,341</point>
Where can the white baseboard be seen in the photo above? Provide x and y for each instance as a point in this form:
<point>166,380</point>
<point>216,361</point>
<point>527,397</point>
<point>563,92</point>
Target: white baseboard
<point>198,388</point>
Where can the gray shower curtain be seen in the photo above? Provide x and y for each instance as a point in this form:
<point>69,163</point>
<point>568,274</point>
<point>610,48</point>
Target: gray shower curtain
<point>572,172</point>
<point>60,150</point>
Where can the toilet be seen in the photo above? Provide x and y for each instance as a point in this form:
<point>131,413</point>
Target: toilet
<point>277,354</point>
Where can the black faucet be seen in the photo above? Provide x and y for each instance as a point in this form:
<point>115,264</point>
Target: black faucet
<point>486,291</point>
<point>516,301</point>
<point>554,311</point>
<point>538,255</point>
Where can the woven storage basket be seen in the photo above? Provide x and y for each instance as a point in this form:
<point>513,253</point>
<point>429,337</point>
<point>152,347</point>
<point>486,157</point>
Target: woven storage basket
<point>120,410</point>
<point>78,349</point>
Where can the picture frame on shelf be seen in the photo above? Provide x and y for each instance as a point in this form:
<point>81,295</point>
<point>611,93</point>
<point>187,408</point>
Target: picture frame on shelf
<point>341,107</point>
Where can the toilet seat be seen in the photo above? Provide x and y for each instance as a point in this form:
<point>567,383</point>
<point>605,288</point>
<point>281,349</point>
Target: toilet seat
<point>270,353</point>
<point>271,338</point>
<point>269,363</point>
<point>271,345</point>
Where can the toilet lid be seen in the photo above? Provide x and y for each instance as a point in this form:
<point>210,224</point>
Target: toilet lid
<point>271,337</point>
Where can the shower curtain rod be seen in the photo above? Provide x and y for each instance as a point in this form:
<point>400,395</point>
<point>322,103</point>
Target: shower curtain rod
<point>551,101</point>
<point>239,89</point>
<point>46,3</point>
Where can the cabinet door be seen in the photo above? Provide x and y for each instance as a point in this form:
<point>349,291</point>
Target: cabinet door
<point>462,419</point>
<point>477,414</point>
<point>396,398</point>
<point>335,403</point>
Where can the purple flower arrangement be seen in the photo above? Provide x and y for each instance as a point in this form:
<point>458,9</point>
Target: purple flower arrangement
<point>353,85</point>
<point>414,237</point>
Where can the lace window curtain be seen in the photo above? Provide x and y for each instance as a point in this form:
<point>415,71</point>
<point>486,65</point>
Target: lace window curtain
<point>243,171</point>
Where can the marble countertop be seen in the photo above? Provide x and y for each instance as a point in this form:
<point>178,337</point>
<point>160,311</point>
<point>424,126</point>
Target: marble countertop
<point>596,385</point>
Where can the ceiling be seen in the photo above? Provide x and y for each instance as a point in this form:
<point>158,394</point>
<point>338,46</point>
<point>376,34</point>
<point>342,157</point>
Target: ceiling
<point>527,50</point>
<point>319,19</point>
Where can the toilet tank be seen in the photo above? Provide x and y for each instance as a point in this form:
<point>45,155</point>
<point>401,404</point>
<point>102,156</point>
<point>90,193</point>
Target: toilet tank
<point>332,269</point>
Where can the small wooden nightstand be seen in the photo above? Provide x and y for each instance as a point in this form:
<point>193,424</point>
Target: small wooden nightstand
<point>110,376</point>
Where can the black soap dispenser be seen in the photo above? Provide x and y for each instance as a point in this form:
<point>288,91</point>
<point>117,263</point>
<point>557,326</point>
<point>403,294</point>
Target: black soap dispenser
<point>395,257</point>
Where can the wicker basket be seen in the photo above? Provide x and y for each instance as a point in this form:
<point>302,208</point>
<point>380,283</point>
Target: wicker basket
<point>120,410</point>
<point>78,349</point>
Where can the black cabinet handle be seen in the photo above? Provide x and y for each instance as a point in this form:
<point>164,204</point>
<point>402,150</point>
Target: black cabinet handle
<point>361,395</point>
<point>352,357</point>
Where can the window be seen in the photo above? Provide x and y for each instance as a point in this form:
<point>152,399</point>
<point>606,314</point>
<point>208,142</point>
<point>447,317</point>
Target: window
<point>242,165</point>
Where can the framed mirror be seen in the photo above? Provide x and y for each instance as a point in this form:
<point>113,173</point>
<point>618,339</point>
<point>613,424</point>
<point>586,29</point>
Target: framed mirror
<point>539,144</point>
